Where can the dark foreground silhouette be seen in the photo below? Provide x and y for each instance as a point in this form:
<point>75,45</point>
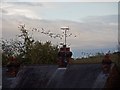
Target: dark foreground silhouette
<point>50,76</point>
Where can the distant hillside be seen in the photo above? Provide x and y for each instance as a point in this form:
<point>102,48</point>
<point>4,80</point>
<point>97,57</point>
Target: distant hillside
<point>98,59</point>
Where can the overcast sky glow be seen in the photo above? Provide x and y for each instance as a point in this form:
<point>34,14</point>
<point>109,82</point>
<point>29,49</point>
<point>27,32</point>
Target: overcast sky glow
<point>95,24</point>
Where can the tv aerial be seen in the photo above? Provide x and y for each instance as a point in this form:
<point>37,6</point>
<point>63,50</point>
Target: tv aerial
<point>65,31</point>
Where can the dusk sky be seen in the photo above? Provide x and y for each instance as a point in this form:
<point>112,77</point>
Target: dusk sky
<point>95,24</point>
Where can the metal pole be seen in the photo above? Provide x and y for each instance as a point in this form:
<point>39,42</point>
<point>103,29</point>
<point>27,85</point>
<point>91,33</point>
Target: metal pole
<point>65,36</point>
<point>65,47</point>
<point>65,28</point>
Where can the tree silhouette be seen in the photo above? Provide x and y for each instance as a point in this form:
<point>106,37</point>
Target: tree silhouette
<point>34,52</point>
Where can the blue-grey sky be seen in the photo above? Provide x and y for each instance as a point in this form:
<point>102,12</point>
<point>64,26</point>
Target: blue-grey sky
<point>94,23</point>
<point>76,11</point>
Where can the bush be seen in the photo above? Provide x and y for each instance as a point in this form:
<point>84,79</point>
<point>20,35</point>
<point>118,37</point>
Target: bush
<point>29,51</point>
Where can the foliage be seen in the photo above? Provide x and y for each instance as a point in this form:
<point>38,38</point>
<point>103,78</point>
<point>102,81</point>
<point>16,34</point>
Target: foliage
<point>11,48</point>
<point>29,51</point>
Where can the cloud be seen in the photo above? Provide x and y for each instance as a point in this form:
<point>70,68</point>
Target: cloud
<point>28,4</point>
<point>21,4</point>
<point>87,32</point>
<point>3,11</point>
<point>20,9</point>
<point>102,19</point>
<point>18,12</point>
